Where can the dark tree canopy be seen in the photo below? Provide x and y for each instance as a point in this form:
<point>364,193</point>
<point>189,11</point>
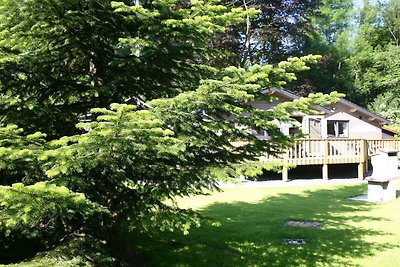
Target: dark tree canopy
<point>279,30</point>
<point>61,58</point>
<point>285,29</point>
<point>90,190</point>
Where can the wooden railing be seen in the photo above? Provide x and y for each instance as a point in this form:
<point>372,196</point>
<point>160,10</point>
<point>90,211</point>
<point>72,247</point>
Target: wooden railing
<point>314,151</point>
<point>375,144</point>
<point>332,151</point>
<point>319,151</point>
<point>322,151</point>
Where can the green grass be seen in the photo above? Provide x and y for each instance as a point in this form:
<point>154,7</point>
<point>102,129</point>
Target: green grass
<point>252,230</point>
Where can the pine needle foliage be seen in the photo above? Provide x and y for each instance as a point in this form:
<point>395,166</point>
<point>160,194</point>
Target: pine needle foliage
<point>59,59</point>
<point>130,161</point>
<point>120,173</point>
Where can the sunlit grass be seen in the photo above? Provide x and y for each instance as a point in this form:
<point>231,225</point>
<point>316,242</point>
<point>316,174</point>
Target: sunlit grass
<point>252,230</point>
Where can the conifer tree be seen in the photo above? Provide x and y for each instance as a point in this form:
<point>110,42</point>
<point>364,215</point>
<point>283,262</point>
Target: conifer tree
<point>59,58</point>
<point>120,173</point>
<point>114,180</point>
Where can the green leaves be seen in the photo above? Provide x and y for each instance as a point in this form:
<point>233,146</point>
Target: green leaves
<point>128,161</point>
<point>113,174</point>
<point>43,210</point>
<point>19,154</point>
<point>373,68</point>
<point>59,59</point>
<point>131,160</point>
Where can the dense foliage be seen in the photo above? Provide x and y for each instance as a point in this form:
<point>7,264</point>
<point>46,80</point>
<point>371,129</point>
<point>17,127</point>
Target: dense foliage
<point>371,71</point>
<point>101,183</point>
<point>131,160</point>
<point>58,59</point>
<point>281,29</point>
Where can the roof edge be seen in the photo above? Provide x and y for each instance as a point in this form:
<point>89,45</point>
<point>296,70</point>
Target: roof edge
<point>325,109</point>
<point>293,96</point>
<point>364,110</point>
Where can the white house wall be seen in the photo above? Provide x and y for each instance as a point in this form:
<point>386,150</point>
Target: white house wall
<point>362,124</point>
<point>263,105</point>
<point>339,107</point>
<point>357,128</point>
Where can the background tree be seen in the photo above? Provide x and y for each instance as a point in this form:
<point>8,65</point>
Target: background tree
<point>332,28</point>
<point>294,28</point>
<point>280,30</point>
<point>61,58</point>
<point>373,67</point>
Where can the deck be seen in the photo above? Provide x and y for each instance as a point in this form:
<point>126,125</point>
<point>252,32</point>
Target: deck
<point>332,151</point>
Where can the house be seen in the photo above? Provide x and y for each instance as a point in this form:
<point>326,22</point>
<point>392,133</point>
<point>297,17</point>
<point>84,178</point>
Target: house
<point>341,133</point>
<point>342,119</point>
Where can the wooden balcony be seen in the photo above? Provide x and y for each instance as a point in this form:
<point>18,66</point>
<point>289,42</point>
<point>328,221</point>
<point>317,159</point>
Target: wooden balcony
<point>332,151</point>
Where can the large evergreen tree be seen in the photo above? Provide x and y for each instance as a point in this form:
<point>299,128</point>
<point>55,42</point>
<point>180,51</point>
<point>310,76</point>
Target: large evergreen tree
<point>87,194</point>
<point>61,58</point>
<point>113,181</point>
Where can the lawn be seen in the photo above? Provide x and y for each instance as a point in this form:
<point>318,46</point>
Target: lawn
<point>251,229</point>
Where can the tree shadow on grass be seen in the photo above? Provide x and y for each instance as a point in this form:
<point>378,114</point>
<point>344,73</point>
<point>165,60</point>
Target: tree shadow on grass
<point>252,234</point>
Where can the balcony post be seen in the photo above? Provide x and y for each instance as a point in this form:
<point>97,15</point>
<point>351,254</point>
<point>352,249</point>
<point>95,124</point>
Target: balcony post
<point>285,170</point>
<point>325,174</point>
<point>362,165</point>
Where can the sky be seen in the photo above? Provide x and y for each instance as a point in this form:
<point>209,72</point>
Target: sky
<point>359,3</point>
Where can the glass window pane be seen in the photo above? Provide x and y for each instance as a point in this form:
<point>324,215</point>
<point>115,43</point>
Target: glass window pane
<point>331,128</point>
<point>343,129</point>
<point>338,128</point>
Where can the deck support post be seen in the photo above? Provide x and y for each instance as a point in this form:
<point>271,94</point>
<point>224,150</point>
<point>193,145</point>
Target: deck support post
<point>363,164</point>
<point>285,174</point>
<point>285,170</point>
<point>325,174</point>
<point>361,169</point>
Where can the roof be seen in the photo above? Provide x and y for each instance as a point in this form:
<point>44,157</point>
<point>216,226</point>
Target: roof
<point>390,130</point>
<point>328,109</point>
<point>364,111</point>
<point>291,96</point>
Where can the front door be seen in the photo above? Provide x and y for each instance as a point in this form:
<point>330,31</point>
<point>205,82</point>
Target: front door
<point>313,127</point>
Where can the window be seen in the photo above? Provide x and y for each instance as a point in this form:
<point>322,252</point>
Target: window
<point>294,130</point>
<point>295,125</point>
<point>260,134</point>
<point>338,128</point>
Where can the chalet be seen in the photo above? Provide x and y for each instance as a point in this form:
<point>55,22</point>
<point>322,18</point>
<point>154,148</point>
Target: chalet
<point>341,133</point>
<point>343,119</point>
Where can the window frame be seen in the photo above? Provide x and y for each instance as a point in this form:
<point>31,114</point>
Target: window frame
<point>336,128</point>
